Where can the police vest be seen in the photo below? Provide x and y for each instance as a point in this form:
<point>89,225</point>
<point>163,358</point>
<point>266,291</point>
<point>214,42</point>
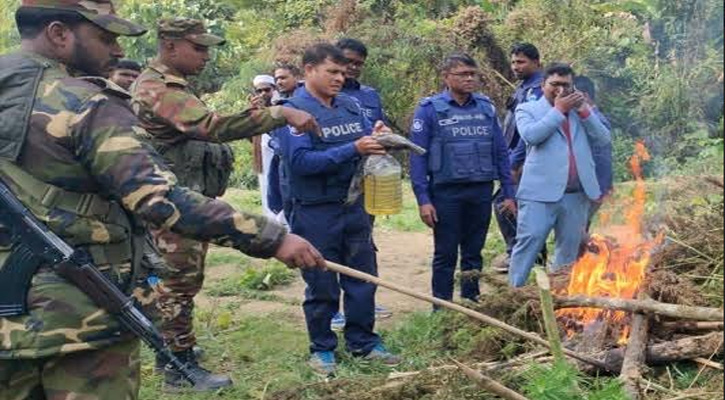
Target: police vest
<point>369,102</point>
<point>339,125</point>
<point>462,146</point>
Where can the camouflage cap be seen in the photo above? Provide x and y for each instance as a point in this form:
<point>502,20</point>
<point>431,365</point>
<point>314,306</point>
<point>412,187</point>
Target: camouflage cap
<point>190,29</point>
<point>100,12</point>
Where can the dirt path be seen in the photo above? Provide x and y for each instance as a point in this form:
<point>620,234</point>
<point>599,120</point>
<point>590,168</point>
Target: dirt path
<point>403,258</point>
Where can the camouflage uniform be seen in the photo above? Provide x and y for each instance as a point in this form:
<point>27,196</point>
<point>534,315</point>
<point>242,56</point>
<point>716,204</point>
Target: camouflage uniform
<point>175,117</point>
<point>86,135</point>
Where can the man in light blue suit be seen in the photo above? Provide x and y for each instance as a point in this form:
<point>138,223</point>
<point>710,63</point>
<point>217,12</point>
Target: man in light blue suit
<point>559,179</point>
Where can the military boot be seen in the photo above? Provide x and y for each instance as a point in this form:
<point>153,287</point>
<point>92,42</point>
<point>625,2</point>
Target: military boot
<point>174,381</point>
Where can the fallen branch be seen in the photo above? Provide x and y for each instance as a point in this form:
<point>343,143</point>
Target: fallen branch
<point>648,305</point>
<point>489,384</point>
<point>666,352</point>
<point>341,269</point>
<point>708,363</point>
<point>688,326</point>
<point>634,356</point>
<point>488,366</point>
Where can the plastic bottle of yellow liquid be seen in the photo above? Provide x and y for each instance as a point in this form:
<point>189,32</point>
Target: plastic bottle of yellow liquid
<point>383,185</point>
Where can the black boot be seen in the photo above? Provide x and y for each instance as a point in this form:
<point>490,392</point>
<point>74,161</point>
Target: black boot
<point>174,381</point>
<point>160,364</point>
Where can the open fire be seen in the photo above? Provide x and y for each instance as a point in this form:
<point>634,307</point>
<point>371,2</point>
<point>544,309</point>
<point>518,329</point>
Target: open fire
<point>614,265</point>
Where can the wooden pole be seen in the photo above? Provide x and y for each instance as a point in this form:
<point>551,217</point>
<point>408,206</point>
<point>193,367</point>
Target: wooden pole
<point>341,269</point>
<point>489,384</point>
<point>547,310</point>
<point>647,305</point>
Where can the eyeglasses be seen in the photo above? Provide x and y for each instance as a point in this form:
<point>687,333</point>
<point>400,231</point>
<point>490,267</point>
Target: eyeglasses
<point>263,90</point>
<point>471,75</point>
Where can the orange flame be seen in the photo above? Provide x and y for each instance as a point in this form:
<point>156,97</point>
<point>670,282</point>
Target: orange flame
<point>614,266</point>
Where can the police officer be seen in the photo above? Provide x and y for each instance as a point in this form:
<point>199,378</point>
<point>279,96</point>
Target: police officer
<point>356,52</point>
<point>526,66</point>
<point>453,181</point>
<point>193,140</point>
<point>94,185</point>
<point>320,169</point>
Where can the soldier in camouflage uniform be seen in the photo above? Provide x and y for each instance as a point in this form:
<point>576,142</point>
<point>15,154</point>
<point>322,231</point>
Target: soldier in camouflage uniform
<point>193,140</point>
<point>70,152</point>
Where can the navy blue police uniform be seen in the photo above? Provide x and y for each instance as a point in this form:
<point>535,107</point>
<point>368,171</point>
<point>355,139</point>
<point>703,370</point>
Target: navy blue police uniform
<point>466,154</point>
<point>319,171</point>
<point>367,97</point>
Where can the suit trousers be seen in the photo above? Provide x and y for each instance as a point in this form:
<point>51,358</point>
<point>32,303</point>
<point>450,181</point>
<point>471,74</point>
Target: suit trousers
<point>567,217</point>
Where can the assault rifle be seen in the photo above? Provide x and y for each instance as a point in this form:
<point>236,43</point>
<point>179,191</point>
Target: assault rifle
<point>33,244</point>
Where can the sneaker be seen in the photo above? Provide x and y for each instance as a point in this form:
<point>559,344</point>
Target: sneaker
<point>338,322</point>
<point>382,312</point>
<point>381,354</point>
<point>323,363</point>
<point>500,264</point>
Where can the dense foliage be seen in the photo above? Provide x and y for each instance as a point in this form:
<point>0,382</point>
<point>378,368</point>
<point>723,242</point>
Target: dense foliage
<point>658,64</point>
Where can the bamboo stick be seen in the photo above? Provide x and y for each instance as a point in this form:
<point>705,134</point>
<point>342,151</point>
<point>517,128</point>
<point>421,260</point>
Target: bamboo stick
<point>341,269</point>
<point>547,310</point>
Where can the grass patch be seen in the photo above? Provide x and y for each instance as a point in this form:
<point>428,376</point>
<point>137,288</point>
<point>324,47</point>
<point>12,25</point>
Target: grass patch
<point>244,200</point>
<point>564,382</point>
<point>266,278</point>
<point>226,256</point>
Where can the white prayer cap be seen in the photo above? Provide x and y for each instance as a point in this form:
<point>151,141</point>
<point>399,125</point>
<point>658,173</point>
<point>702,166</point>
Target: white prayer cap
<point>263,80</point>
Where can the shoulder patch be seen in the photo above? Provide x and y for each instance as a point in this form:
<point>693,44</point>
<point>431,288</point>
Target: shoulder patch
<point>417,125</point>
<point>294,132</point>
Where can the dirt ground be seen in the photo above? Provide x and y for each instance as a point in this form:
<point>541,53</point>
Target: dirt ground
<point>403,258</point>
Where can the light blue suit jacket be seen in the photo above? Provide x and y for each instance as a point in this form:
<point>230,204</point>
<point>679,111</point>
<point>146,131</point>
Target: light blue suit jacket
<point>546,170</point>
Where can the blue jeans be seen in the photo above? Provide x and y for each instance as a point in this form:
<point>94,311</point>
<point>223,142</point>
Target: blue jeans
<point>567,217</point>
<point>343,235</point>
<point>464,215</point>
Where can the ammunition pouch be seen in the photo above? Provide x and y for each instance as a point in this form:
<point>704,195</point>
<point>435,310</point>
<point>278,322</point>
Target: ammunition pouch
<point>202,166</point>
